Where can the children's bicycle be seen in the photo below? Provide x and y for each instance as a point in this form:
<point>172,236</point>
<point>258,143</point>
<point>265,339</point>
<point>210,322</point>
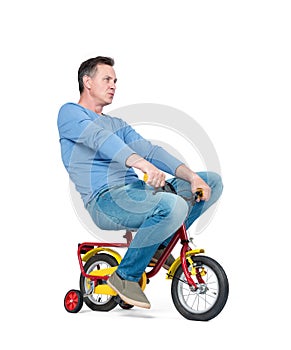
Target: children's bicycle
<point>199,286</point>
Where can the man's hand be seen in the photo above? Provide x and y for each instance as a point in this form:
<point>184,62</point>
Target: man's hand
<point>199,184</point>
<point>183,172</point>
<point>155,177</point>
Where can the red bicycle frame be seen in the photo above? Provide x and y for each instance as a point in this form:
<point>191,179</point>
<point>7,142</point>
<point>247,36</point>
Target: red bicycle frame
<point>181,234</point>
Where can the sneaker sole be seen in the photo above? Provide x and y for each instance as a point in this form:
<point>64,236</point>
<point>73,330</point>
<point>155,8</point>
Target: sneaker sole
<point>128,300</point>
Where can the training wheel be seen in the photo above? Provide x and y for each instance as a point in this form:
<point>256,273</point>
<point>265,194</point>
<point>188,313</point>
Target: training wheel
<point>73,301</point>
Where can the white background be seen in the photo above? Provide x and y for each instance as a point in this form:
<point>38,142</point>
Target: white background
<point>227,64</point>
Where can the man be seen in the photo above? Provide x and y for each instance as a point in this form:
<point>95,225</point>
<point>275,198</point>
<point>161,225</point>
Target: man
<point>100,153</point>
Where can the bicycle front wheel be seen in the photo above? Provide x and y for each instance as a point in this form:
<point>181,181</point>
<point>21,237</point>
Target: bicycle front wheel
<point>208,300</point>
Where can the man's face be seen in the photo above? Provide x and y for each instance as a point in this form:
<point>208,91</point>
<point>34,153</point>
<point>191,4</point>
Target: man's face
<point>103,85</point>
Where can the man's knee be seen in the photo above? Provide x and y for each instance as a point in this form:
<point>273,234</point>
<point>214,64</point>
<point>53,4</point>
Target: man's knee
<point>214,180</point>
<point>175,207</point>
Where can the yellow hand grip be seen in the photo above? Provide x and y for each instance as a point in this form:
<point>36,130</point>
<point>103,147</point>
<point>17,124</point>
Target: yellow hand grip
<point>199,192</point>
<point>145,177</point>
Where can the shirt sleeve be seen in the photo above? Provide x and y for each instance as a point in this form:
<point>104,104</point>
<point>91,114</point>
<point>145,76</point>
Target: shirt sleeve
<point>155,154</point>
<point>75,125</point>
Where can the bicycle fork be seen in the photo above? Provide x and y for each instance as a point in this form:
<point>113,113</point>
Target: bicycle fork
<point>184,259</point>
<point>187,273</point>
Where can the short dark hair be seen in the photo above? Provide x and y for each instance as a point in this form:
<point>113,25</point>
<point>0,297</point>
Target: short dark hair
<point>89,68</point>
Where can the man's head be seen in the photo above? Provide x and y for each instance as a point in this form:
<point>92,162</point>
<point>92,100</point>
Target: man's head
<point>89,68</point>
<point>97,79</point>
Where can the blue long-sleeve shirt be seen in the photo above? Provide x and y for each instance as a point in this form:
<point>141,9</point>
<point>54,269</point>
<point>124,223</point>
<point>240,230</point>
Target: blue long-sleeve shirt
<point>95,148</point>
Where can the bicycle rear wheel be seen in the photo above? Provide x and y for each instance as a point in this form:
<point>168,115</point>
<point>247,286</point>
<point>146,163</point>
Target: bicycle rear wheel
<point>208,300</point>
<point>98,302</point>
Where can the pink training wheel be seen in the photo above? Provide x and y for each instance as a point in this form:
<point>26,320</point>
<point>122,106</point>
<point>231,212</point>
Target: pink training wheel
<point>73,301</point>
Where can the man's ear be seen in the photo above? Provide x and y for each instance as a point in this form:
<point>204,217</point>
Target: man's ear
<point>87,81</point>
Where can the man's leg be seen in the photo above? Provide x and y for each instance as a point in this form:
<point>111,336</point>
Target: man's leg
<point>183,189</point>
<point>160,223</point>
<point>155,216</point>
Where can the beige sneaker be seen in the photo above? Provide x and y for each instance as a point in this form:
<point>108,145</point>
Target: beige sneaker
<point>167,263</point>
<point>129,291</point>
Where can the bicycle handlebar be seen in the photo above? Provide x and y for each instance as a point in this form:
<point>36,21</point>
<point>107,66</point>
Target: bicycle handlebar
<point>169,188</point>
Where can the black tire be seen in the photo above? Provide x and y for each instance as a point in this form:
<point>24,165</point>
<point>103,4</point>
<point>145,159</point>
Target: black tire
<point>209,299</point>
<point>73,301</point>
<point>98,302</point>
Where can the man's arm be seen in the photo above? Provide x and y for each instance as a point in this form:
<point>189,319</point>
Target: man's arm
<point>74,124</point>
<point>154,154</point>
<point>156,177</point>
<point>183,172</point>
<point>159,158</point>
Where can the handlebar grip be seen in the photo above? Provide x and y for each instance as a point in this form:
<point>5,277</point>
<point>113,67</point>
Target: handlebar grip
<point>199,193</point>
<point>145,177</point>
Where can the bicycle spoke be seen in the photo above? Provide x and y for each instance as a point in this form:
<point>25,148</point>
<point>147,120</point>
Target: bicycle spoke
<point>204,297</point>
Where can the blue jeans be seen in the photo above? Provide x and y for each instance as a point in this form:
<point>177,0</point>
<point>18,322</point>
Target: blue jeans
<point>155,215</point>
